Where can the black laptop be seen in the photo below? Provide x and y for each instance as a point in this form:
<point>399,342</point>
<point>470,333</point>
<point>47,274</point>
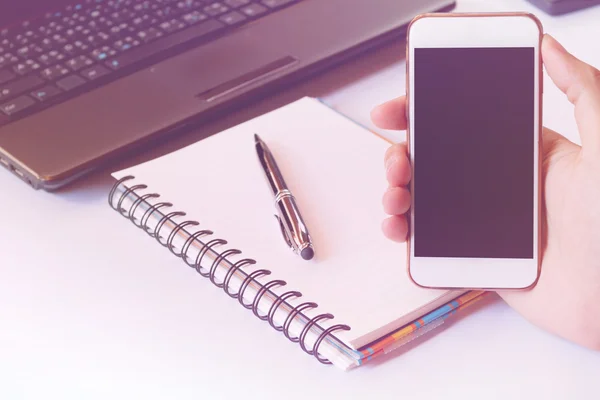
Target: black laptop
<point>83,83</point>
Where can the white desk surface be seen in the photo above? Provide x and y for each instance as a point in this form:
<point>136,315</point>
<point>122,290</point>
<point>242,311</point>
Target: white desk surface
<point>91,309</point>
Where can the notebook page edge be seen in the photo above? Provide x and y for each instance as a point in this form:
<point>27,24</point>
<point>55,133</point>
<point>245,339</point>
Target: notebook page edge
<point>393,326</point>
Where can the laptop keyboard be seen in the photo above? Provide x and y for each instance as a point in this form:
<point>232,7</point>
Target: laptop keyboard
<point>86,45</point>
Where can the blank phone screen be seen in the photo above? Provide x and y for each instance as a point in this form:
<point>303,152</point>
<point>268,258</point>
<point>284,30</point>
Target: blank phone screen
<point>474,152</point>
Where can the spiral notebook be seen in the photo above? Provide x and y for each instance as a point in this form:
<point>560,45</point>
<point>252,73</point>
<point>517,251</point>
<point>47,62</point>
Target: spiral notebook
<point>210,206</point>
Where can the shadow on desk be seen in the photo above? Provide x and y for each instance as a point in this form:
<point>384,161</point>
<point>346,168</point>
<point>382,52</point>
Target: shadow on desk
<point>99,182</point>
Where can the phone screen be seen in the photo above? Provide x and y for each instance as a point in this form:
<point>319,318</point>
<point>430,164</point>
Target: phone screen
<point>474,144</point>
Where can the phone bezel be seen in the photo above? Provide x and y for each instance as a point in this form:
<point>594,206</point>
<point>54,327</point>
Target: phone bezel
<point>476,30</point>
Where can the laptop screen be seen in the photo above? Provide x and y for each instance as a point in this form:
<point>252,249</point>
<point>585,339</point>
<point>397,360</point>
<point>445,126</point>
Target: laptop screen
<point>14,12</point>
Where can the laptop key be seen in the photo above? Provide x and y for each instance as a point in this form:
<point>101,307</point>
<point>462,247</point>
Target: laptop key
<point>70,33</point>
<point>51,57</point>
<point>7,59</point>
<point>23,52</point>
<point>47,43</point>
<point>70,49</point>
<point>55,72</point>
<point>216,9</point>
<point>233,18</point>
<point>103,53</point>
<point>80,46</point>
<point>20,40</point>
<point>79,62</point>
<point>94,72</point>
<point>59,40</point>
<point>254,10</point>
<point>19,86</point>
<point>187,5</point>
<point>142,22</point>
<point>17,105</point>
<point>193,17</point>
<point>31,34</point>
<point>96,39</point>
<point>45,93</point>
<point>126,43</point>
<point>276,3</point>
<point>26,67</point>
<point>149,34</point>
<point>172,26</point>
<point>236,3</point>
<point>70,82</point>
<point>122,16</point>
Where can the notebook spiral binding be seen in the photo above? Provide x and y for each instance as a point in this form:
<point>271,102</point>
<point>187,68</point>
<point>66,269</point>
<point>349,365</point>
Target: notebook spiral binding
<point>222,256</point>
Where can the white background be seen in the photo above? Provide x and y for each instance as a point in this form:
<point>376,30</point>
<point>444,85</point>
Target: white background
<point>90,308</point>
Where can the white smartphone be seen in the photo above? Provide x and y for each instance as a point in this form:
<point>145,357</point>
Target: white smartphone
<point>474,84</point>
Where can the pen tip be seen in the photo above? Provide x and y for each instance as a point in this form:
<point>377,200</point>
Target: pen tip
<point>256,138</point>
<point>307,254</point>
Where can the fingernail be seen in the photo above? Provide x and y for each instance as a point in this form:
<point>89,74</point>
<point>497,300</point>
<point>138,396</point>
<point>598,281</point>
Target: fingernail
<point>389,163</point>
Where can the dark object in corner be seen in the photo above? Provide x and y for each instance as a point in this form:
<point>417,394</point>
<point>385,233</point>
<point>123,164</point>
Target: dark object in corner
<point>559,7</point>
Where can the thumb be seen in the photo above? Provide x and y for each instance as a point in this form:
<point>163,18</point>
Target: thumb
<point>581,83</point>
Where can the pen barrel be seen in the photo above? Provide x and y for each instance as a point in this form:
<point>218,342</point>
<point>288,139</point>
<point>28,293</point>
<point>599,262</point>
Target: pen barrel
<point>292,221</point>
<point>270,168</point>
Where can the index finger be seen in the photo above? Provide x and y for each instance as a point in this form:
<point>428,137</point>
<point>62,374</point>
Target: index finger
<point>391,114</point>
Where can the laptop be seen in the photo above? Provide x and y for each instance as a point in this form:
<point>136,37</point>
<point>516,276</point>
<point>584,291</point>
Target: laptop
<point>84,83</point>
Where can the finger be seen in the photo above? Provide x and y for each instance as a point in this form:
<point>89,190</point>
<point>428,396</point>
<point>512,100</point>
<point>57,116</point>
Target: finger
<point>391,115</point>
<point>550,141</point>
<point>555,146</point>
<point>395,228</point>
<point>581,83</point>
<point>397,165</point>
<point>396,201</point>
<point>553,142</point>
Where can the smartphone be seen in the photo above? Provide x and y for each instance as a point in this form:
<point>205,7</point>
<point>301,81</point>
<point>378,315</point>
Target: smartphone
<point>474,84</point>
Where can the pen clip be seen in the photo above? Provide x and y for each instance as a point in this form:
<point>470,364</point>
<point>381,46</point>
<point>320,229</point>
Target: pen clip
<point>286,238</point>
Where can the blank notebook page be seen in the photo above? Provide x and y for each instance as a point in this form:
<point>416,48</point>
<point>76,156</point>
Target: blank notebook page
<point>335,169</point>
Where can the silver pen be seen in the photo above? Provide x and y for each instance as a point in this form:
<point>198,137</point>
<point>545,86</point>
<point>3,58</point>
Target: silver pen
<point>293,228</point>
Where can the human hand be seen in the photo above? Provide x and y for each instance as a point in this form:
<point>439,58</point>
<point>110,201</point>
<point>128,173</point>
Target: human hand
<point>566,299</point>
